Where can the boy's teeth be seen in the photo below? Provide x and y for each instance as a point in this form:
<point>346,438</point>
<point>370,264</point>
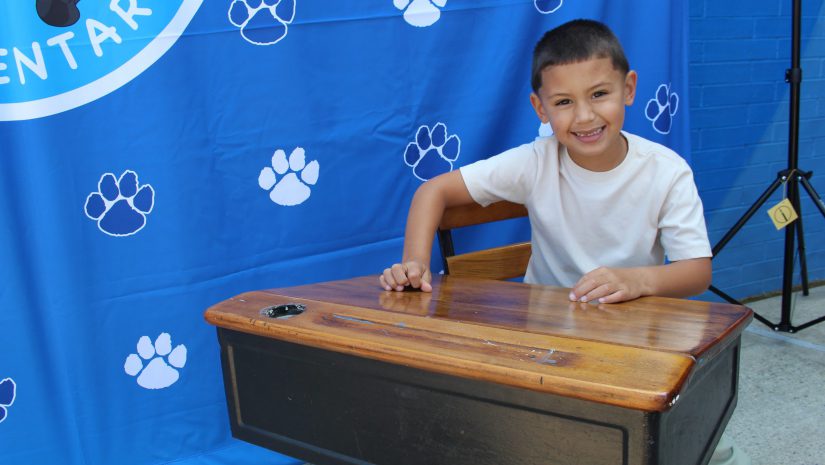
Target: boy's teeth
<point>591,133</point>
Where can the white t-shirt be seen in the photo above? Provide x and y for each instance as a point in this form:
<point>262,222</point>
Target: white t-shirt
<point>633,215</point>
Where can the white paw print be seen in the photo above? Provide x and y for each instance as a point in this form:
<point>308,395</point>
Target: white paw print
<point>545,130</point>
<point>420,13</point>
<point>290,189</point>
<point>262,22</point>
<point>157,374</point>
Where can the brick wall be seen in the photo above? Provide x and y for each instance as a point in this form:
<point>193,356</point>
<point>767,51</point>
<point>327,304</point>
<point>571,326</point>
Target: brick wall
<point>739,52</point>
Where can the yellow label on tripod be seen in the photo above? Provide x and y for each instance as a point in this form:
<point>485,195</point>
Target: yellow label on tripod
<point>782,214</point>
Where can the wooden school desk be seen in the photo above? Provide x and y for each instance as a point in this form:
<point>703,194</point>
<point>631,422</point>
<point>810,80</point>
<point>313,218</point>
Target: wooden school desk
<point>478,372</point>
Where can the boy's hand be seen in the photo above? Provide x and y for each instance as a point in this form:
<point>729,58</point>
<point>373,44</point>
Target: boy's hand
<point>412,273</point>
<point>681,278</point>
<point>608,286</point>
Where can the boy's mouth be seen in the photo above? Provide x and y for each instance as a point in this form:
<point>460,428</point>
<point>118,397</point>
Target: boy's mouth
<point>589,136</point>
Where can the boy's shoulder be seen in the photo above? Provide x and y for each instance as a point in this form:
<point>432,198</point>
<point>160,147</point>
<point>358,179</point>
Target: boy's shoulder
<point>540,148</point>
<point>646,148</point>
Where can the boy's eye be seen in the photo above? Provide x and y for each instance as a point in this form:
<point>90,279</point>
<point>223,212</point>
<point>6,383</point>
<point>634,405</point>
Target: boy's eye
<point>599,93</point>
<point>563,101</point>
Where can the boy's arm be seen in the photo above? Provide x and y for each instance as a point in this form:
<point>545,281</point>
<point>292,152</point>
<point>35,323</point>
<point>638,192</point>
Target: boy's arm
<point>683,278</point>
<point>426,209</point>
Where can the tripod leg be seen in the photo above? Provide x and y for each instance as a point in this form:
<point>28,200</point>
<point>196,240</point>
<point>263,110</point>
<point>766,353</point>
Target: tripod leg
<point>814,196</point>
<point>748,214</point>
<point>787,279</point>
<point>800,236</point>
<point>780,178</point>
<point>803,263</point>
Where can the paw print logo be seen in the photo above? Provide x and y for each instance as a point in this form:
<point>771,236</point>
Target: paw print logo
<point>8,391</point>
<point>547,6</point>
<point>59,14</point>
<point>69,79</point>
<point>661,109</point>
<point>262,22</point>
<point>296,175</point>
<point>545,130</point>
<point>160,372</point>
<point>420,13</point>
<point>120,205</point>
<point>432,153</point>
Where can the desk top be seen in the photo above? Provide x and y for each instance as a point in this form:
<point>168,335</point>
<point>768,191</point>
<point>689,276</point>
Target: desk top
<point>637,354</point>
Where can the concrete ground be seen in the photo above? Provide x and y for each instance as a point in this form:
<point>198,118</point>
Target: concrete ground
<point>780,417</point>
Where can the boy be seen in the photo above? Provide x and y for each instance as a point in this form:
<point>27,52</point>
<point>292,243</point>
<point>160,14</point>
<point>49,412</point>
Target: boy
<point>605,206</point>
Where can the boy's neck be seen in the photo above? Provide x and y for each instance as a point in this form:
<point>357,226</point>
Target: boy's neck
<point>607,161</point>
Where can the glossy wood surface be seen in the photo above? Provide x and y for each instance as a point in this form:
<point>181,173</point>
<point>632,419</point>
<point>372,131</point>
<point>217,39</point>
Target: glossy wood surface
<point>636,355</point>
<point>505,262</point>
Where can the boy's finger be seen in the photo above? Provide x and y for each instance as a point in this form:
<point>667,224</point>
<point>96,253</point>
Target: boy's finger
<point>418,275</point>
<point>399,275</point>
<point>614,298</point>
<point>580,290</point>
<point>386,280</point>
<point>597,293</point>
<point>414,275</point>
<point>426,280</point>
<point>391,277</point>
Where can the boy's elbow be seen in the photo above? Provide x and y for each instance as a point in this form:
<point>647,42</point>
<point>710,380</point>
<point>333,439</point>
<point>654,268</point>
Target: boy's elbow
<point>428,195</point>
<point>444,190</point>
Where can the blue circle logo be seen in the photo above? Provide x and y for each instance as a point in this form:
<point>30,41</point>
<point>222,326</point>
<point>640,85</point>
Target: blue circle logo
<point>60,54</point>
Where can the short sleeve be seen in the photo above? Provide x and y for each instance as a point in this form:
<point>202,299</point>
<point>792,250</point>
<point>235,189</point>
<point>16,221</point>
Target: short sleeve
<point>508,176</point>
<point>682,229</point>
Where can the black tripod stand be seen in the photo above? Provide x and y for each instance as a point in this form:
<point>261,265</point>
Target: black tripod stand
<point>793,176</point>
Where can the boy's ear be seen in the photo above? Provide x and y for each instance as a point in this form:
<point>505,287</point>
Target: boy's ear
<point>536,102</point>
<point>630,87</point>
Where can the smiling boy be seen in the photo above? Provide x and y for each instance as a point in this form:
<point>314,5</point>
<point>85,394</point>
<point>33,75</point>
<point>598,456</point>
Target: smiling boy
<point>606,207</point>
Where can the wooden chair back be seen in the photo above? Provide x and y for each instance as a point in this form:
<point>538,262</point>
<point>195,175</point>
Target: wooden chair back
<point>504,262</point>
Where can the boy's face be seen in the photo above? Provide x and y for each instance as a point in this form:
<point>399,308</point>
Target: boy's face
<point>585,104</point>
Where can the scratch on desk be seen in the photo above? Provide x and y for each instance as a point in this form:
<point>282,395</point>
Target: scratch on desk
<point>545,359</point>
<point>349,318</point>
<point>358,444</point>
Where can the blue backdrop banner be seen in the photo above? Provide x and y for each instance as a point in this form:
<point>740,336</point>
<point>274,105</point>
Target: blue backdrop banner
<point>157,157</point>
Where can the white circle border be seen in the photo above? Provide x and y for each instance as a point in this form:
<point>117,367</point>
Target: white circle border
<point>109,83</point>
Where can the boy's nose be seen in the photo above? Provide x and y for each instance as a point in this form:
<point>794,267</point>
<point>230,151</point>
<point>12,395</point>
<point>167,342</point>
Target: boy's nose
<point>584,112</point>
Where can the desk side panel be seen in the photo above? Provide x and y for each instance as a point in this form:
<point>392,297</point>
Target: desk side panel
<point>692,428</point>
<point>331,408</point>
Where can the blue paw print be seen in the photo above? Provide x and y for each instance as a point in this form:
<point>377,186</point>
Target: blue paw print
<point>262,22</point>
<point>120,206</point>
<point>7,393</point>
<point>547,6</point>
<point>661,109</point>
<point>432,153</point>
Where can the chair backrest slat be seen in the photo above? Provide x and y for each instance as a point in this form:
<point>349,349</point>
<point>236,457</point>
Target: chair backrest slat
<point>473,214</point>
<point>505,262</point>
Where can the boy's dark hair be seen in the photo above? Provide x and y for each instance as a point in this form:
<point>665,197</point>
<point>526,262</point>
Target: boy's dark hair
<point>574,42</point>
